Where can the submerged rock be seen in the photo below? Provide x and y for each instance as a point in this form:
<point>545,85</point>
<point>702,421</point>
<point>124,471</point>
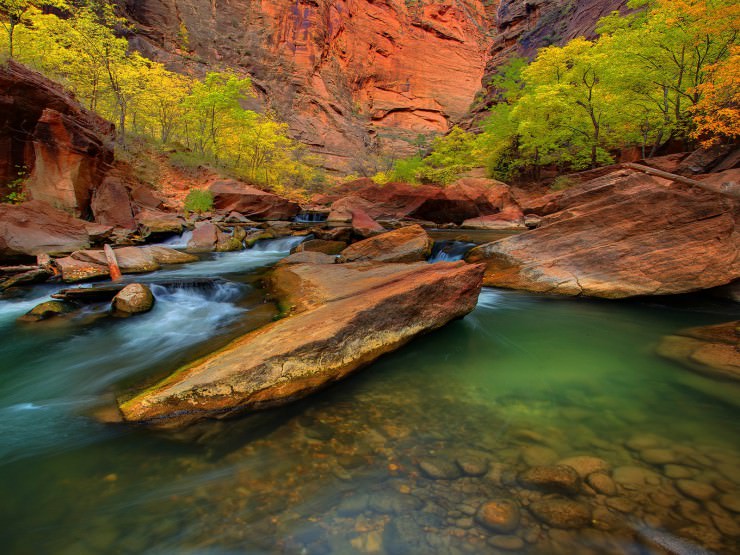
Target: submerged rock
<point>623,235</point>
<point>562,513</point>
<point>407,244</point>
<point>499,515</point>
<point>713,351</point>
<point>133,299</point>
<point>554,478</point>
<point>345,329</point>
<point>47,310</point>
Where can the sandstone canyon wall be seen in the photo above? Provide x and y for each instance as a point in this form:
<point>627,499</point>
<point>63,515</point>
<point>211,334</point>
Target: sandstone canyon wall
<point>357,77</point>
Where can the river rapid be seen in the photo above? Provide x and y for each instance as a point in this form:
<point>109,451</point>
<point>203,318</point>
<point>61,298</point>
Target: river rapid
<point>396,459</point>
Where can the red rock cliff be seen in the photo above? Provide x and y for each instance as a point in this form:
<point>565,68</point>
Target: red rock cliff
<point>353,77</point>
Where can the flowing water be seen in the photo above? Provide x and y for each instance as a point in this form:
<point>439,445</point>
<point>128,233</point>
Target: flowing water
<point>374,464</point>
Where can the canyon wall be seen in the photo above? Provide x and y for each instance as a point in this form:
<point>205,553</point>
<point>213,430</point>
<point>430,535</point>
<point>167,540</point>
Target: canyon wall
<point>356,79</point>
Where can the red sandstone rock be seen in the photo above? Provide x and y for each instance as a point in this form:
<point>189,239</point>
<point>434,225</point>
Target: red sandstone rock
<point>407,244</point>
<point>111,204</point>
<point>353,320</point>
<point>34,228</point>
<point>234,196</point>
<point>43,128</point>
<point>205,236</point>
<point>623,235</point>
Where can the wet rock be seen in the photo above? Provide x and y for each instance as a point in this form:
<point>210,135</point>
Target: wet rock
<point>602,483</point>
<point>131,260</point>
<point>561,513</point>
<point>507,543</point>
<point>74,270</point>
<point>585,465</point>
<point>713,351</point>
<point>407,244</point>
<point>165,255</point>
<point>307,258</point>
<point>633,476</point>
<point>554,478</point>
<point>46,310</point>
<point>499,515</point>
<point>204,238</point>
<point>320,245</point>
<point>228,242</point>
<point>403,536</point>
<point>472,465</point>
<point>538,455</point>
<point>439,469</point>
<point>730,501</point>
<point>677,471</point>
<point>641,442</point>
<point>348,326</point>
<point>658,456</point>
<point>695,490</point>
<point>133,299</point>
<point>621,504</point>
<point>393,502</point>
<point>705,536</point>
<point>353,505</point>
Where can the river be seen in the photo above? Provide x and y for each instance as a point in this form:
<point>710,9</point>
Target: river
<point>522,380</point>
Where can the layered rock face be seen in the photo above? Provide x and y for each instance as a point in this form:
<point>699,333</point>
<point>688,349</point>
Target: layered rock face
<point>348,315</point>
<point>43,131</point>
<point>342,73</point>
<point>352,77</point>
<point>622,235</point>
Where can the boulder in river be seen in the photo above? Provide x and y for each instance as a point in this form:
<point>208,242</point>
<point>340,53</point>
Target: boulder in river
<point>355,323</point>
<point>632,234</point>
<point>46,310</point>
<point>133,299</point>
<point>406,244</point>
<point>713,351</point>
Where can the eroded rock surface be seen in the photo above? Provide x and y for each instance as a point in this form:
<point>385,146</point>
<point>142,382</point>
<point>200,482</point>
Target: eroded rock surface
<point>622,235</point>
<point>293,357</point>
<point>407,244</point>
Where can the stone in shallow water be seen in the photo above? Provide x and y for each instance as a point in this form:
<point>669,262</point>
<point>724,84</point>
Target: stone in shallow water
<point>676,471</point>
<point>730,501</point>
<point>602,483</point>
<point>695,490</point>
<point>631,476</point>
<point>658,456</point>
<point>585,465</point>
<point>538,455</point>
<point>391,502</point>
<point>641,442</point>
<point>562,513</point>
<point>507,543</point>
<point>440,469</point>
<point>553,478</point>
<point>403,536</point>
<point>499,515</point>
<point>472,465</point>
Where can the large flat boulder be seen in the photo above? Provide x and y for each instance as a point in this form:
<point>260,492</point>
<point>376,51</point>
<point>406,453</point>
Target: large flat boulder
<point>623,235</point>
<point>406,244</point>
<point>713,351</point>
<point>34,228</point>
<point>234,196</point>
<point>352,322</point>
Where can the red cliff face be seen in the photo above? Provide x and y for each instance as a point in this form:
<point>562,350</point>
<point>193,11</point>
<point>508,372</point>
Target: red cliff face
<point>353,77</point>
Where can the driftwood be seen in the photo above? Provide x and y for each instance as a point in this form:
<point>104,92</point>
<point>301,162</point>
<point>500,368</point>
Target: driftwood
<point>17,269</point>
<point>667,175</point>
<point>104,293</point>
<point>110,257</point>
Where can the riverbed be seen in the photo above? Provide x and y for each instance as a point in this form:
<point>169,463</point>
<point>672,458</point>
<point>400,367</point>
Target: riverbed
<point>524,380</point>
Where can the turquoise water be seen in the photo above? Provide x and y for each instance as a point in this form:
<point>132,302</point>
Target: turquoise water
<point>522,380</point>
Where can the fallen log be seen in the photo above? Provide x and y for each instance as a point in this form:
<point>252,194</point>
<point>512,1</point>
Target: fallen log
<point>114,269</point>
<point>667,175</point>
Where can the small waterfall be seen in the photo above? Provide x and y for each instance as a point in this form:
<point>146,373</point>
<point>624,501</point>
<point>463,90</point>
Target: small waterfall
<point>449,251</point>
<point>311,217</point>
<point>284,244</point>
<point>178,241</point>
